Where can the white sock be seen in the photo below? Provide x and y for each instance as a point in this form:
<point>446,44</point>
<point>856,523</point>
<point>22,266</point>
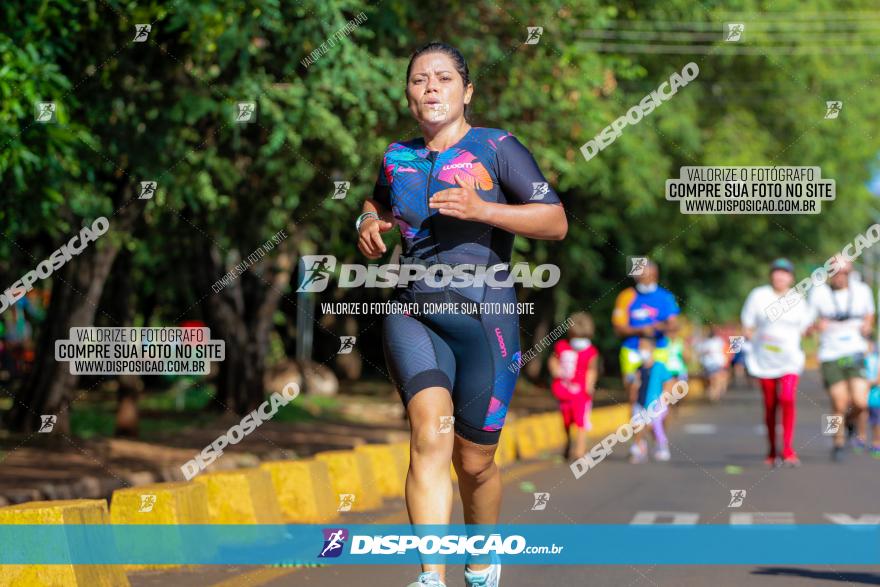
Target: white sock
<point>482,572</point>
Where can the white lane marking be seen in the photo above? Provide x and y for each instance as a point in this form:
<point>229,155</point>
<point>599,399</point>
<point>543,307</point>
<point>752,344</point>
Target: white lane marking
<point>700,428</point>
<point>869,519</point>
<point>675,518</point>
<point>761,429</point>
<point>747,518</point>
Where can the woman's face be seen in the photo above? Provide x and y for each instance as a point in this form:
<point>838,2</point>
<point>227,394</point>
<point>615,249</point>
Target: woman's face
<point>435,90</point>
<point>781,280</point>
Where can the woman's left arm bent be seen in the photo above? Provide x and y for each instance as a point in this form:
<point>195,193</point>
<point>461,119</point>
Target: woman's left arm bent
<point>541,221</point>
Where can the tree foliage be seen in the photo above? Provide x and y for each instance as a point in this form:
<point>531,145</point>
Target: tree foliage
<point>162,110</point>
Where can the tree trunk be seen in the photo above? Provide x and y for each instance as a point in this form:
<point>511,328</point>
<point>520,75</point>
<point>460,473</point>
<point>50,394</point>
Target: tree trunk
<point>75,295</point>
<point>117,304</point>
<point>76,292</point>
<point>127,415</point>
<point>241,315</point>
<point>539,326</point>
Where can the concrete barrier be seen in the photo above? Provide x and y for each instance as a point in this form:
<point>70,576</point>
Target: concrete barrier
<point>608,418</point>
<point>304,490</point>
<point>178,502</point>
<point>555,429</point>
<point>79,511</point>
<point>545,432</point>
<point>402,451</point>
<point>526,438</point>
<point>696,389</point>
<point>541,433</point>
<point>352,473</point>
<point>388,467</point>
<point>506,452</point>
<point>244,496</point>
<point>536,429</point>
<point>160,503</point>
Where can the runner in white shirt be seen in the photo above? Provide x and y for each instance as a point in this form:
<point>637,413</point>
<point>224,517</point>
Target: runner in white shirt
<point>845,318</point>
<point>775,357</point>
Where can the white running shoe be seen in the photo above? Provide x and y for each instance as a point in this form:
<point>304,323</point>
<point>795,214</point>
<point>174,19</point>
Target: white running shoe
<point>428,579</point>
<point>488,577</point>
<point>661,453</point>
<point>638,452</point>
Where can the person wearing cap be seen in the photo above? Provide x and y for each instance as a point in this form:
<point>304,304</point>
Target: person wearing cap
<point>775,358</point>
<point>844,309</point>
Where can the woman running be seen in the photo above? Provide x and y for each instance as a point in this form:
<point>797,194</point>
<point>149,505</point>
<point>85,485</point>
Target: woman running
<point>775,356</point>
<point>459,195</point>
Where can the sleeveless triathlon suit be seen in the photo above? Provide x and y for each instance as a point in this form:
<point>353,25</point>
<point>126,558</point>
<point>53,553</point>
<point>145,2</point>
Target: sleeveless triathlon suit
<point>475,354</point>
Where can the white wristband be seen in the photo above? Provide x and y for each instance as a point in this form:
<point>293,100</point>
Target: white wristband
<point>360,220</point>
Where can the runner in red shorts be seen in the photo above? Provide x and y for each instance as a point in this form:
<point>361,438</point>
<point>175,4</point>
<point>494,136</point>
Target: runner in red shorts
<point>574,366</point>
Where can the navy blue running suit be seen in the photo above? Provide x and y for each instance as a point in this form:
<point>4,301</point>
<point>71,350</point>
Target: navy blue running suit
<point>473,354</point>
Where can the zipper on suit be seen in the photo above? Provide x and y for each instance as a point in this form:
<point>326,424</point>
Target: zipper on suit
<point>432,155</point>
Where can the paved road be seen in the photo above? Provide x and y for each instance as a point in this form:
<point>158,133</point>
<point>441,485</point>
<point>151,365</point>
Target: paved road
<point>714,449</point>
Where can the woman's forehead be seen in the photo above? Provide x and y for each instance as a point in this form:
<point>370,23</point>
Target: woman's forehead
<point>435,62</point>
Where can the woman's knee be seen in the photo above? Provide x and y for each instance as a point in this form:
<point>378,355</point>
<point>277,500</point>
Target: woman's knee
<point>428,444</point>
<point>839,401</point>
<point>476,461</point>
<point>431,437</point>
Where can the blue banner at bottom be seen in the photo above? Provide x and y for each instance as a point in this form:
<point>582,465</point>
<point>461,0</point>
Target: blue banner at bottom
<point>528,544</point>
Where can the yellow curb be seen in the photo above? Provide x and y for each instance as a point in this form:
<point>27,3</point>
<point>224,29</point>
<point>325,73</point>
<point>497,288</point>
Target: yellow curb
<point>506,452</point>
<point>263,576</point>
<point>696,388</point>
<point>174,503</point>
<point>541,431</point>
<point>304,490</point>
<point>526,443</point>
<point>389,468</point>
<point>178,502</point>
<point>607,419</point>
<point>544,432</point>
<point>74,511</point>
<point>555,430</point>
<point>352,473</point>
<point>402,451</point>
<point>243,496</point>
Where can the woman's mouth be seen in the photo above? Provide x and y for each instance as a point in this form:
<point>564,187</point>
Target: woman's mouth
<point>437,110</point>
